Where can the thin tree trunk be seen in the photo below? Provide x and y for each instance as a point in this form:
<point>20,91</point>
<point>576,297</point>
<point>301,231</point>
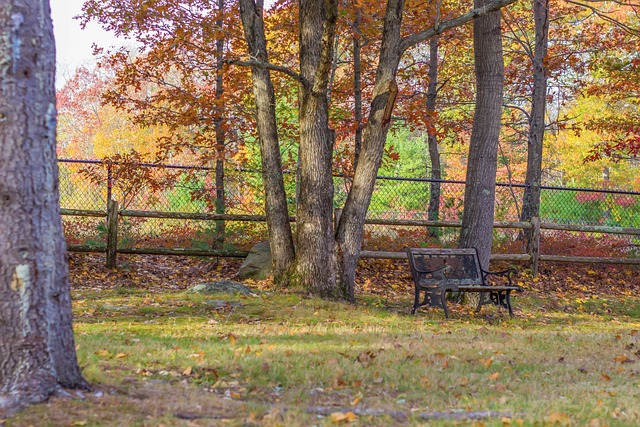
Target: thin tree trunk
<point>479,197</point>
<point>315,264</point>
<point>220,134</point>
<point>280,236</point>
<point>531,198</point>
<point>432,140</point>
<point>351,225</point>
<point>37,351</point>
<point>334,68</point>
<point>357,85</point>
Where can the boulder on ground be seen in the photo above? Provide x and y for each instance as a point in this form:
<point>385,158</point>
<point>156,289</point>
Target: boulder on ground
<point>222,287</point>
<point>257,265</point>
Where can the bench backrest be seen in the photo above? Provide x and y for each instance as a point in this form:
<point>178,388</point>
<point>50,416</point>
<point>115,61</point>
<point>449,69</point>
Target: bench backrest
<point>445,266</point>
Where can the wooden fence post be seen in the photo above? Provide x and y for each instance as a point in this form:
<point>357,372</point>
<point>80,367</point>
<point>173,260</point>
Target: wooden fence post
<point>112,233</point>
<point>534,245</point>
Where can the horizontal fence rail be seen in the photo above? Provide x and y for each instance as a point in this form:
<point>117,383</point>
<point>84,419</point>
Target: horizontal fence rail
<point>154,202</point>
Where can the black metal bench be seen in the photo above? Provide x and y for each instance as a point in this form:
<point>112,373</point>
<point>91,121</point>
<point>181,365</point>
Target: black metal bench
<point>438,271</point>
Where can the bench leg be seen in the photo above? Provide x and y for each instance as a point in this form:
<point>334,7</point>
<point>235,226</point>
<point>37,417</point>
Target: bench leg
<point>443,300</point>
<point>416,301</point>
<point>481,297</point>
<point>508,301</point>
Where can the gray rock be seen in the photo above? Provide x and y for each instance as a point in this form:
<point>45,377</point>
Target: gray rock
<point>222,287</point>
<point>257,265</point>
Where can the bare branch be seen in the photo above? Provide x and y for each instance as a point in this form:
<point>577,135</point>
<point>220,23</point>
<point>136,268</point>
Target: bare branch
<point>516,107</point>
<point>603,15</point>
<point>422,36</point>
<point>265,66</point>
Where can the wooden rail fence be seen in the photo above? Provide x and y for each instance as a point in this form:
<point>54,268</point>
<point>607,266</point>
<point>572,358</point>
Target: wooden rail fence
<point>534,256</point>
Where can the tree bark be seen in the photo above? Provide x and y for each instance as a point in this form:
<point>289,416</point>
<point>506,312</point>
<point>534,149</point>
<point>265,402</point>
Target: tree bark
<point>315,263</point>
<point>357,84</point>
<point>531,197</point>
<point>280,235</point>
<point>37,350</point>
<point>220,134</point>
<point>479,197</point>
<point>385,89</point>
<point>432,140</point>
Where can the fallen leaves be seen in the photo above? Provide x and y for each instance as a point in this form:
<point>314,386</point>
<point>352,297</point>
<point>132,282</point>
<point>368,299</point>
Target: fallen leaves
<point>357,399</point>
<point>486,362</point>
<point>153,273</point>
<point>559,419</point>
<point>232,339</point>
<point>341,417</point>
<point>597,422</point>
<point>366,357</point>
<point>623,358</point>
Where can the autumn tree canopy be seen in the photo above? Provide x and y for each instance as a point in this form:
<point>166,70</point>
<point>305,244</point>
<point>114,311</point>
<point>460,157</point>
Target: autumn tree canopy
<point>318,85</point>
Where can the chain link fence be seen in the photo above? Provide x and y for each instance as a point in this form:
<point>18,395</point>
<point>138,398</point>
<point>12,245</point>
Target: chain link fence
<point>87,185</point>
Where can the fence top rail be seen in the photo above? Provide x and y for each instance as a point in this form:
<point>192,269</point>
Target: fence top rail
<point>386,178</point>
<point>149,165</point>
<point>516,185</point>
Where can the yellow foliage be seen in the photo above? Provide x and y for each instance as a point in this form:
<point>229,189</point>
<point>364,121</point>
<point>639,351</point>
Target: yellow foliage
<point>118,135</point>
<point>570,149</point>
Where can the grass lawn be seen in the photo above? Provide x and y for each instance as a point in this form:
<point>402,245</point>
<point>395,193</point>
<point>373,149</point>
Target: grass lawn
<point>158,355</point>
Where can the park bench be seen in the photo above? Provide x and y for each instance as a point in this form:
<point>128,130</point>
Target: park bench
<point>438,271</point>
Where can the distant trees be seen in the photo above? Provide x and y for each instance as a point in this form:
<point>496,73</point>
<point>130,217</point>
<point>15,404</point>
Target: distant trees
<point>328,85</point>
<point>36,338</point>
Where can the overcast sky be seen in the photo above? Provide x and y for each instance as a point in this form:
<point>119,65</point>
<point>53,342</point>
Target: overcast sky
<point>73,45</point>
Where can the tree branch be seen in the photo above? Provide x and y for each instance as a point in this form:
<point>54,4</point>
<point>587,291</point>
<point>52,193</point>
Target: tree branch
<point>265,66</point>
<point>602,14</point>
<point>424,35</point>
<point>522,110</point>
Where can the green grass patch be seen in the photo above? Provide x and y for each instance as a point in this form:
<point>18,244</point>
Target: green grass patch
<point>283,359</point>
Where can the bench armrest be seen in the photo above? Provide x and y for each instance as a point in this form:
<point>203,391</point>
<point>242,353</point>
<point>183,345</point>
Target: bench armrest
<point>504,273</point>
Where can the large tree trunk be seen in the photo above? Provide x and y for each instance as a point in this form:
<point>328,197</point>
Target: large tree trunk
<point>479,197</point>
<point>351,226</point>
<point>531,198</point>
<point>220,139</point>
<point>280,236</point>
<point>37,351</point>
<point>432,140</point>
<point>315,263</point>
